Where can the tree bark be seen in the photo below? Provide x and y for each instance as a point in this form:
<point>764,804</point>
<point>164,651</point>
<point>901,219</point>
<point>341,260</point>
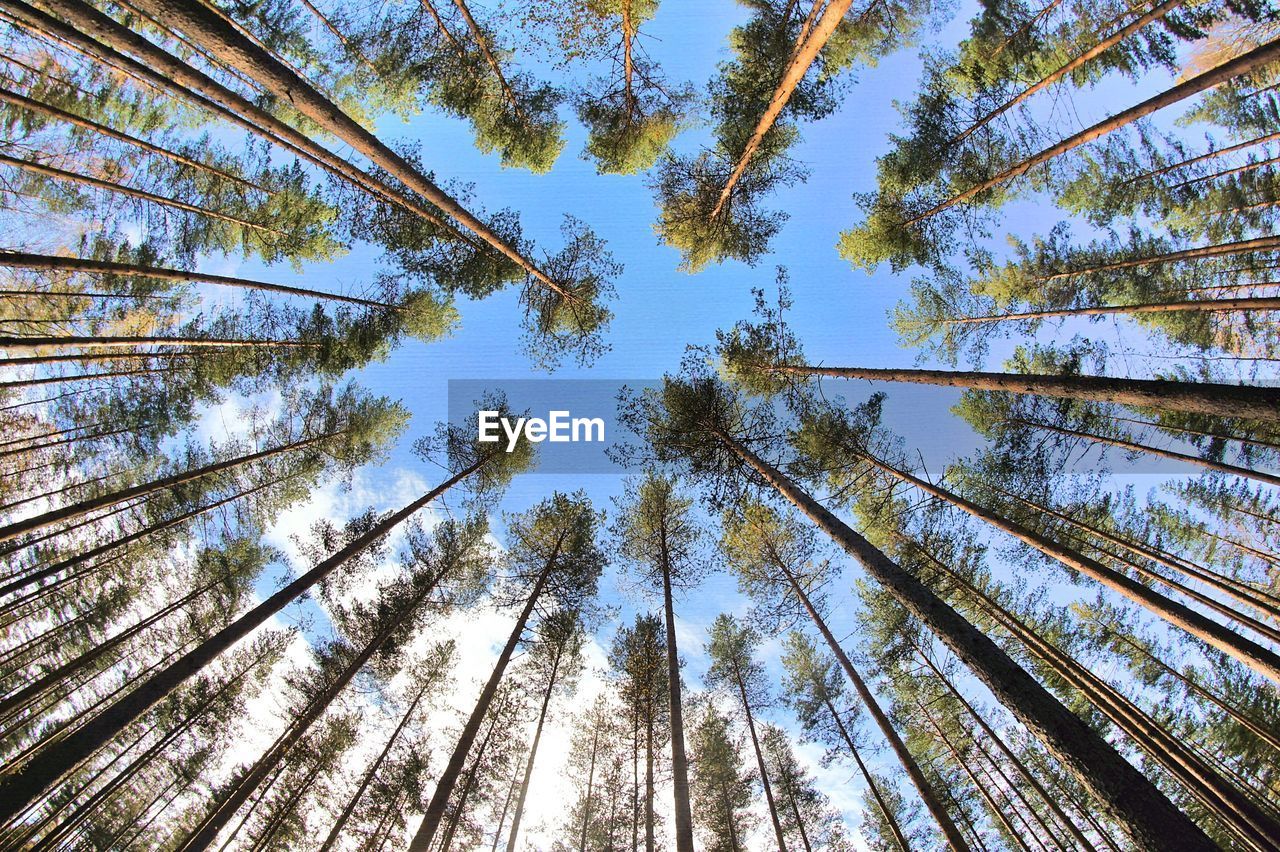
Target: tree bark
<point>1250,402</point>
<point>533,754</point>
<point>885,811</point>
<point>55,516</point>
<point>764,772</point>
<point>1258,303</point>
<point>1254,59</point>
<point>1257,244</point>
<point>444,787</point>
<point>32,344</point>
<point>22,260</point>
<point>795,71</point>
<point>142,195</point>
<point>1098,49</point>
<point>679,758</point>
<point>1126,795</point>
<point>1230,149</point>
<point>33,779</point>
<point>206,27</point>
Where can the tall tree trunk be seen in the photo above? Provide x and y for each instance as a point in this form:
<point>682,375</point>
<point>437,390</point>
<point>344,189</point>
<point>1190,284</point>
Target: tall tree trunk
<point>32,343</point>
<point>206,27</point>
<point>1257,58</point>
<point>890,818</point>
<point>494,65</point>
<point>1132,446</point>
<point>927,794</point>
<point>650,839</point>
<point>1128,797</point>
<point>533,752</point>
<point>142,195</point>
<point>1221,400</point>
<point>473,772</point>
<point>1259,303</point>
<point>1160,10</point>
<point>679,758</point>
<point>1229,149</point>
<point>1250,246</point>
<point>1031,779</point>
<point>20,100</point>
<point>591,777</point>
<point>764,772</point>
<point>444,787</point>
<point>207,831</point>
<point>372,772</point>
<point>1258,658</point>
<point>789,789</point>
<point>1236,812</point>
<point>34,778</point>
<point>56,516</point>
<point>165,72</point>
<point>45,262</point>
<point>507,799</point>
<point>1235,170</point>
<point>795,71</point>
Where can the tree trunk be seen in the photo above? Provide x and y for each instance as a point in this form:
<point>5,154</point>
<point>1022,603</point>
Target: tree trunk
<point>167,73</point>
<point>1241,816</point>
<point>1247,167</point>
<point>679,759</point>
<point>53,112</point>
<point>1222,400</point>
<point>22,260</point>
<point>533,753</point>
<point>795,71</point>
<point>1049,800</point>
<point>764,772</point>
<point>1230,149</point>
<point>56,516</point>
<point>444,787</point>
<point>1262,660</point>
<point>206,27</point>
<point>927,794</point>
<point>1098,49</point>
<point>32,780</point>
<point>1254,59</point>
<point>60,380</point>
<point>885,810</point>
<point>494,65</point>
<point>1131,446</point>
<point>460,809</point>
<point>141,195</point>
<point>1259,303</point>
<point>32,344</point>
<point>650,839</point>
<point>1127,796</point>
<point>1257,244</point>
<point>1026,28</point>
<point>591,777</point>
<point>789,788</point>
<point>371,773</point>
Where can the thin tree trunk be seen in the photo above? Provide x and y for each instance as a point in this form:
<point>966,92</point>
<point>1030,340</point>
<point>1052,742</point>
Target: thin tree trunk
<point>1258,658</point>
<point>1260,303</point>
<point>679,758</point>
<point>1098,49</point>
<point>764,772</point>
<point>141,195</point>
<point>1222,400</point>
<point>444,786</point>
<point>199,23</point>
<point>23,260</point>
<point>1132,446</point>
<point>885,811</point>
<point>1250,246</point>
<point>460,809</point>
<point>1236,812</point>
<point>494,65</point>
<point>1247,167</point>
<point>506,802</point>
<point>591,777</point>
<point>165,72</point>
<point>650,840</point>
<point>32,780</point>
<point>533,753</point>
<point>84,377</point>
<point>32,344</point>
<point>20,100</point>
<point>1026,28</point>
<point>56,516</point>
<point>795,71</point>
<point>789,788</point>
<point>1048,799</point>
<point>1150,819</point>
<point>371,772</point>
<point>1254,59</point>
<point>927,794</point>
<point>728,815</point>
<point>1230,149</point>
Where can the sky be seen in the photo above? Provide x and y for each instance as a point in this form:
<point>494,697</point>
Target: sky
<point>839,313</point>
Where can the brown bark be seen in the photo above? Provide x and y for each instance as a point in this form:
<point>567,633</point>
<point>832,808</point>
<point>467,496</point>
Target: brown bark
<point>885,811</point>
<point>22,260</point>
<point>1229,149</point>
<point>533,754</point>
<point>1127,796</point>
<point>1256,303</point>
<point>764,772</point>
<point>1257,244</point>
<point>1250,402</point>
<point>444,786</point>
<point>1254,59</point>
<point>34,344</point>
<point>28,782</point>
<point>1247,167</point>
<point>1098,49</point>
<point>679,758</point>
<point>141,195</point>
<point>20,100</point>
<point>795,71</point>
<point>494,65</point>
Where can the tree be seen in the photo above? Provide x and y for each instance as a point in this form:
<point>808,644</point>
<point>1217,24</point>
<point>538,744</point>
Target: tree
<point>721,789</point>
